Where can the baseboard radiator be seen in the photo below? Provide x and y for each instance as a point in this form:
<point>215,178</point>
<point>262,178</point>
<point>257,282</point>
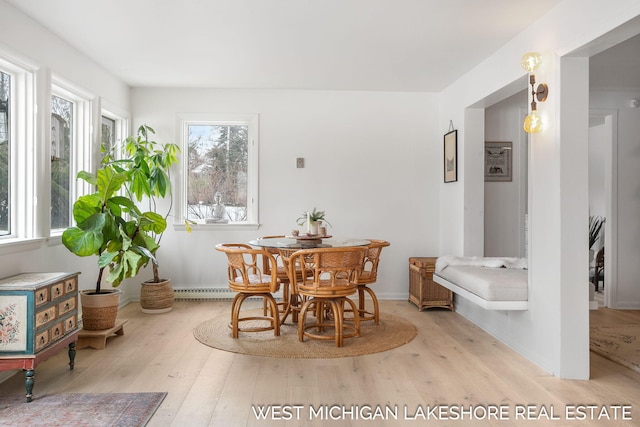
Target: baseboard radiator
<point>206,294</point>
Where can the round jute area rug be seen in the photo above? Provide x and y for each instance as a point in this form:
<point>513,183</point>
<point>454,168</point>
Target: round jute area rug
<point>392,332</point>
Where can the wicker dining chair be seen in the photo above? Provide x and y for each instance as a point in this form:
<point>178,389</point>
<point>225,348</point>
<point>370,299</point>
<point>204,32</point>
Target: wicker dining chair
<point>281,274</point>
<point>295,299</point>
<point>289,297</point>
<point>246,276</point>
<point>369,275</point>
<point>331,279</point>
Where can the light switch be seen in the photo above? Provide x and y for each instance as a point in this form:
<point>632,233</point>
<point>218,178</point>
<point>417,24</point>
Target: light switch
<point>300,162</point>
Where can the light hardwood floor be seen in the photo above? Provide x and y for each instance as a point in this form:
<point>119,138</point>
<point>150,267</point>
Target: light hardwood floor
<point>451,363</point>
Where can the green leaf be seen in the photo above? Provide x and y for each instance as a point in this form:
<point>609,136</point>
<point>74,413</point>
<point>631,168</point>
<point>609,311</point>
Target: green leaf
<point>116,274</point>
<point>81,242</point>
<point>160,182</point>
<point>106,258</point>
<point>86,206</point>
<point>95,222</point>
<point>126,203</point>
<point>151,221</point>
<point>140,184</point>
<point>114,245</point>
<point>110,230</point>
<point>88,177</point>
<point>128,266</point>
<point>109,182</point>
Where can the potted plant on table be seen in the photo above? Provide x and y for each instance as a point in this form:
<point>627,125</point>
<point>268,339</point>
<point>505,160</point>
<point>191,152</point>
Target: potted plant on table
<point>313,219</point>
<point>147,164</point>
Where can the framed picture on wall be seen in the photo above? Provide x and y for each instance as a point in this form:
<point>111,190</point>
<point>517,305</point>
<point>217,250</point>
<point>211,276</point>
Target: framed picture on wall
<point>498,161</point>
<point>451,156</point>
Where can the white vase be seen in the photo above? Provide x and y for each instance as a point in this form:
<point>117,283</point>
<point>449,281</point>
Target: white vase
<point>313,227</point>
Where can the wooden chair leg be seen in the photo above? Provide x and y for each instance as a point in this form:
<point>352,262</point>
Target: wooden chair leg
<point>374,299</point>
<point>269,304</point>
<point>302,318</point>
<point>363,313</point>
<point>356,319</point>
<point>338,321</point>
<point>275,316</point>
<point>235,313</point>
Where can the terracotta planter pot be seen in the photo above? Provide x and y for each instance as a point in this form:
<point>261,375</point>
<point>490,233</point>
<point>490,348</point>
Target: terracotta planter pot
<point>99,311</point>
<point>156,298</point>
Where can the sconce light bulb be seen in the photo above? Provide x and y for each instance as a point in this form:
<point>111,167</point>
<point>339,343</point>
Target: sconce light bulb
<point>531,61</point>
<point>533,123</point>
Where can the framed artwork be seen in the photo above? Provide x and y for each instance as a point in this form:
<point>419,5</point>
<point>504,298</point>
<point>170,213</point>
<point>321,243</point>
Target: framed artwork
<point>451,156</point>
<point>13,323</point>
<point>498,161</point>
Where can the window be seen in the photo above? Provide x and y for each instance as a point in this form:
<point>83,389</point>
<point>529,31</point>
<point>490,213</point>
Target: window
<point>220,163</point>
<point>108,134</point>
<point>71,149</point>
<point>5,191</point>
<point>113,130</point>
<point>17,152</point>
<point>35,201</point>
<point>61,164</point>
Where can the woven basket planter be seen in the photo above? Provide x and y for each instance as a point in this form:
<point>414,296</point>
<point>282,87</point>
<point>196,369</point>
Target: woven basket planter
<point>99,311</point>
<point>156,297</point>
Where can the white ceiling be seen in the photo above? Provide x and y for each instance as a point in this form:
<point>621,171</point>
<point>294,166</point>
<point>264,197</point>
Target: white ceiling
<point>388,45</point>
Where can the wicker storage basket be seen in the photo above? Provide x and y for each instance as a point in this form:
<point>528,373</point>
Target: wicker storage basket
<point>423,291</point>
<point>99,312</point>
<point>156,297</point>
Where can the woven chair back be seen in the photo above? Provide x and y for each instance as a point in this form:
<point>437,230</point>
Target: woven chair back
<point>281,269</point>
<point>330,272</point>
<point>369,270</point>
<point>246,272</point>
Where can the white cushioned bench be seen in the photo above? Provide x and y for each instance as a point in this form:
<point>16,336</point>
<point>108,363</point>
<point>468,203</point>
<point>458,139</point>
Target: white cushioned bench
<point>492,283</point>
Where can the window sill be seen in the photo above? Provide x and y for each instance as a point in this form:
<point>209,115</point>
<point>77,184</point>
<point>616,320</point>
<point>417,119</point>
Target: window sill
<point>211,227</point>
<point>12,246</point>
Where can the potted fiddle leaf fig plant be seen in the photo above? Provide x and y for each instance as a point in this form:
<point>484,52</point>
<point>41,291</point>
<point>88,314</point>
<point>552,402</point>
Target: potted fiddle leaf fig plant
<point>111,227</point>
<point>147,165</point>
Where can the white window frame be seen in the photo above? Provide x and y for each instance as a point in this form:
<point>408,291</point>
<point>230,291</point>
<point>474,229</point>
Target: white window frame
<point>182,125</point>
<point>121,120</point>
<point>22,163</point>
<point>83,140</point>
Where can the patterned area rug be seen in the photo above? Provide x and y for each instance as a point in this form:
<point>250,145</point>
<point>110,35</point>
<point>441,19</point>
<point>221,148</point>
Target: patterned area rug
<point>80,410</point>
<point>618,343</point>
<point>392,332</point>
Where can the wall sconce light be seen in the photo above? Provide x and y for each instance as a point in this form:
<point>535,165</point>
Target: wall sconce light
<point>530,62</point>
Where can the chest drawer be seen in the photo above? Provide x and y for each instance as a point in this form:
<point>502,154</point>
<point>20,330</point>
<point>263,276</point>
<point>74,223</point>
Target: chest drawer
<point>71,285</point>
<point>66,306</point>
<point>70,324</point>
<point>57,290</point>
<point>45,316</point>
<point>42,296</point>
<point>42,339</point>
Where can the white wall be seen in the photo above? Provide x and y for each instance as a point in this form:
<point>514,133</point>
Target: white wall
<point>21,35</point>
<point>371,162</point>
<point>505,201</point>
<point>554,331</point>
<point>21,39</point>
<point>597,144</point>
<point>627,210</point>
